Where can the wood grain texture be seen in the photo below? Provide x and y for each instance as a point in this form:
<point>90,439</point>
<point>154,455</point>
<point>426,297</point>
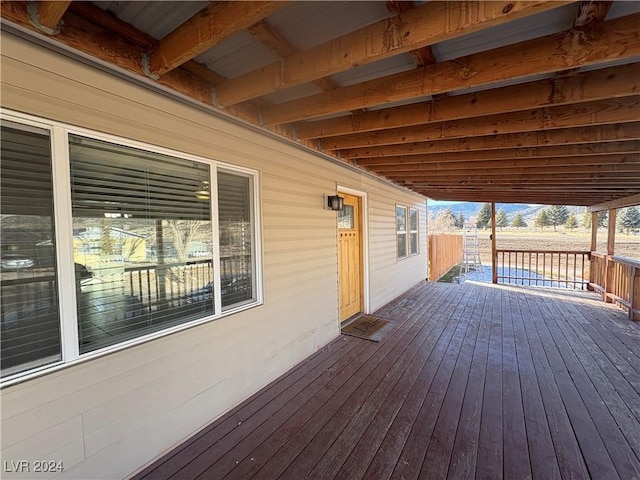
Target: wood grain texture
<point>562,136</point>
<point>614,39</point>
<point>612,82</point>
<point>566,116</point>
<point>208,27</point>
<point>476,381</point>
<point>418,27</point>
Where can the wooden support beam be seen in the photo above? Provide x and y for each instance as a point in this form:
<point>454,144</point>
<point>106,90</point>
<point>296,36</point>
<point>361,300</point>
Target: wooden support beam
<point>510,197</point>
<point>566,116</point>
<point>578,164</point>
<point>611,247</point>
<point>85,36</point>
<point>109,22</point>
<point>494,252</point>
<point>208,27</point>
<point>422,56</point>
<point>50,13</point>
<point>424,25</point>
<point>594,233</point>
<point>548,176</point>
<point>629,201</point>
<point>563,136</point>
<point>607,83</point>
<point>515,154</point>
<point>612,40</point>
<point>272,39</point>
<point>590,11</point>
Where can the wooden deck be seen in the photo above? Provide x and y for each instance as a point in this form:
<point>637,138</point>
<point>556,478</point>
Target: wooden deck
<point>469,381</point>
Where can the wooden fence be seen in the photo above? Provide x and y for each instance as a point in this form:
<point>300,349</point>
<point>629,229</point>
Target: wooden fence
<point>618,280</point>
<point>445,252</point>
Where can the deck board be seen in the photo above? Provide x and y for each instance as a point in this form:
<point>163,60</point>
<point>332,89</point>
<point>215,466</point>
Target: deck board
<point>471,380</point>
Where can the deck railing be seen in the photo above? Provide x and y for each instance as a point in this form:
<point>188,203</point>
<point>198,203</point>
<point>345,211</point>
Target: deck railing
<point>566,269</point>
<point>618,280</point>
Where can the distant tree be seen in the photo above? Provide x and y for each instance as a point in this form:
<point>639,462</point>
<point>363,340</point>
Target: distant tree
<point>603,218</point>
<point>571,222</point>
<point>501,219</point>
<point>107,243</point>
<point>459,221</point>
<point>542,219</point>
<point>557,215</point>
<point>518,221</point>
<point>483,220</point>
<point>629,218</point>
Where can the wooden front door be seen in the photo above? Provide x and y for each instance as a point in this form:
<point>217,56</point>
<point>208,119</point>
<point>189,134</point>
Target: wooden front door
<point>350,256</point>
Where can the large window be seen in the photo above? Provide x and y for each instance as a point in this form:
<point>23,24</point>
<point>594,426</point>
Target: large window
<point>154,240</point>
<point>401,231</point>
<point>28,284</point>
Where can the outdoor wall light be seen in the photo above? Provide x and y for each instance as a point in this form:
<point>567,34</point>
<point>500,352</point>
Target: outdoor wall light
<point>335,202</point>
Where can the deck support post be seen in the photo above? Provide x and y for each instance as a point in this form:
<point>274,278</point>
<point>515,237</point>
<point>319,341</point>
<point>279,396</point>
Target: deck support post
<point>494,253</point>
<point>593,248</point>
<point>610,265</point>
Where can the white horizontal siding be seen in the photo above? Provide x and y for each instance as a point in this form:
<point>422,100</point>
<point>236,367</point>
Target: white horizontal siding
<point>108,416</point>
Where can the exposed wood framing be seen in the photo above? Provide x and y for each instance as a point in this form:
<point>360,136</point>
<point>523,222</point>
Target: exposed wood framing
<point>629,201</point>
<point>612,40</point>
<point>586,163</point>
<point>50,13</point>
<point>209,26</point>
<point>414,29</point>
<point>554,134</point>
<point>566,116</point>
<point>592,11</point>
<point>422,56</point>
<point>562,136</point>
<point>613,82</point>
<point>272,39</point>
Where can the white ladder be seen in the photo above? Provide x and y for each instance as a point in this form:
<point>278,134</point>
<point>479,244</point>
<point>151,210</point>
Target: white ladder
<point>471,254</point>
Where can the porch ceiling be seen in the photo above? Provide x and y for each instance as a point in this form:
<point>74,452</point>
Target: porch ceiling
<point>504,101</point>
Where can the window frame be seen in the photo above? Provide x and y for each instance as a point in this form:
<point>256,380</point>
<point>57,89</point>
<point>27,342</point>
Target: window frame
<point>411,232</point>
<point>404,232</point>
<point>63,224</point>
<point>408,232</point>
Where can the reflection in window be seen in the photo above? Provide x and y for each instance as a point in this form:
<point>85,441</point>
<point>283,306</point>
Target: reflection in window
<point>346,217</point>
<point>413,231</point>
<point>401,231</point>
<point>237,266</point>
<point>29,289</point>
<point>142,241</point>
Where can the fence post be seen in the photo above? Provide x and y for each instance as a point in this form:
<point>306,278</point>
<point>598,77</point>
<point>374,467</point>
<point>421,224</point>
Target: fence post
<point>632,294</point>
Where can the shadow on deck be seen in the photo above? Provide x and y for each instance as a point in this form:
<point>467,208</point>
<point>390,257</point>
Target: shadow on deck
<point>471,380</point>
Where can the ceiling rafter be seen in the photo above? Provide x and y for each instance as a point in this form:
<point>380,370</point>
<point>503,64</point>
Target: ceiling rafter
<point>625,170</point>
<point>214,23</point>
<point>562,136</point>
<point>569,136</point>
<point>421,56</point>
<point>612,82</point>
<point>421,26</point>
<point>531,153</point>
<point>612,40</point>
<point>272,39</point>
<point>51,12</point>
<point>575,161</point>
<point>592,11</point>
<point>565,116</point>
